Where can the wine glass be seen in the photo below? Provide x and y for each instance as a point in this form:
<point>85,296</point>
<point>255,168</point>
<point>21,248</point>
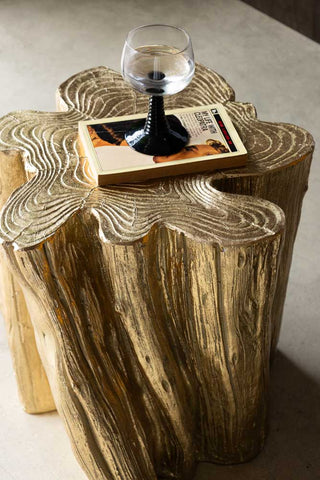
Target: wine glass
<point>157,60</point>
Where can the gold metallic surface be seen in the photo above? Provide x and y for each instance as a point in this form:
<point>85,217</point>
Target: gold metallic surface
<point>33,387</point>
<point>152,303</point>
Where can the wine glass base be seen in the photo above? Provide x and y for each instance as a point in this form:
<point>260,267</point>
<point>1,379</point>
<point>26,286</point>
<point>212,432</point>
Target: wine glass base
<point>164,143</point>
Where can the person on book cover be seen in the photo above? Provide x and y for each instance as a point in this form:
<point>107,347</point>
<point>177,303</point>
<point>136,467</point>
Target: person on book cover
<point>211,147</point>
<point>106,135</point>
<point>113,134</point>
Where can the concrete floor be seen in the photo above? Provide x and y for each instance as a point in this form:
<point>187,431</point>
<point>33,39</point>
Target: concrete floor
<point>41,44</point>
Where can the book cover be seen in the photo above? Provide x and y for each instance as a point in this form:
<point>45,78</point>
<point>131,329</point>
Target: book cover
<point>214,144</point>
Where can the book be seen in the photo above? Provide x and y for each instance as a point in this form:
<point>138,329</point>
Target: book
<point>214,144</point>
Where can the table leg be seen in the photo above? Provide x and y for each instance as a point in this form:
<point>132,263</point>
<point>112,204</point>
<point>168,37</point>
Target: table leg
<point>157,351</point>
<point>33,387</point>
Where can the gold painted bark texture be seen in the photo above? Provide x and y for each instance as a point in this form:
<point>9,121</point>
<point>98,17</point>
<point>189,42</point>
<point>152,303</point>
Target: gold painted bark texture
<point>33,388</point>
<point>157,350</point>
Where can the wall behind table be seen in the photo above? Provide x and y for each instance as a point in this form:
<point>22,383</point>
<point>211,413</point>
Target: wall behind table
<point>301,15</point>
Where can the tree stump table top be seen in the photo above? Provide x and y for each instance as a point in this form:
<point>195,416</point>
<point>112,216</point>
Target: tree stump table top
<point>154,306</point>
<point>59,185</point>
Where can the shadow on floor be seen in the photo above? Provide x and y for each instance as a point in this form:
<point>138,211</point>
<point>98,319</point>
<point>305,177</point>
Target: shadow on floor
<point>292,450</point>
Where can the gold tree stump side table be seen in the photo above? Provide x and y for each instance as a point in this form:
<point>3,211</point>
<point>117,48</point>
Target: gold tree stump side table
<point>154,307</point>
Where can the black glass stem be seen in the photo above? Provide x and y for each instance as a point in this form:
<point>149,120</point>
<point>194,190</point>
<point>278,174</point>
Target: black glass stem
<point>157,135</point>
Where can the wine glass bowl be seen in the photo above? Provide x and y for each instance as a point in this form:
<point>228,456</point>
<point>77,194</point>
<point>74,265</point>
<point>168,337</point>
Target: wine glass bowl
<point>157,60</point>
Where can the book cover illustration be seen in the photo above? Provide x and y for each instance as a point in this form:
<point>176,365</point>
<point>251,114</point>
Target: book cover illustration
<point>214,143</point>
